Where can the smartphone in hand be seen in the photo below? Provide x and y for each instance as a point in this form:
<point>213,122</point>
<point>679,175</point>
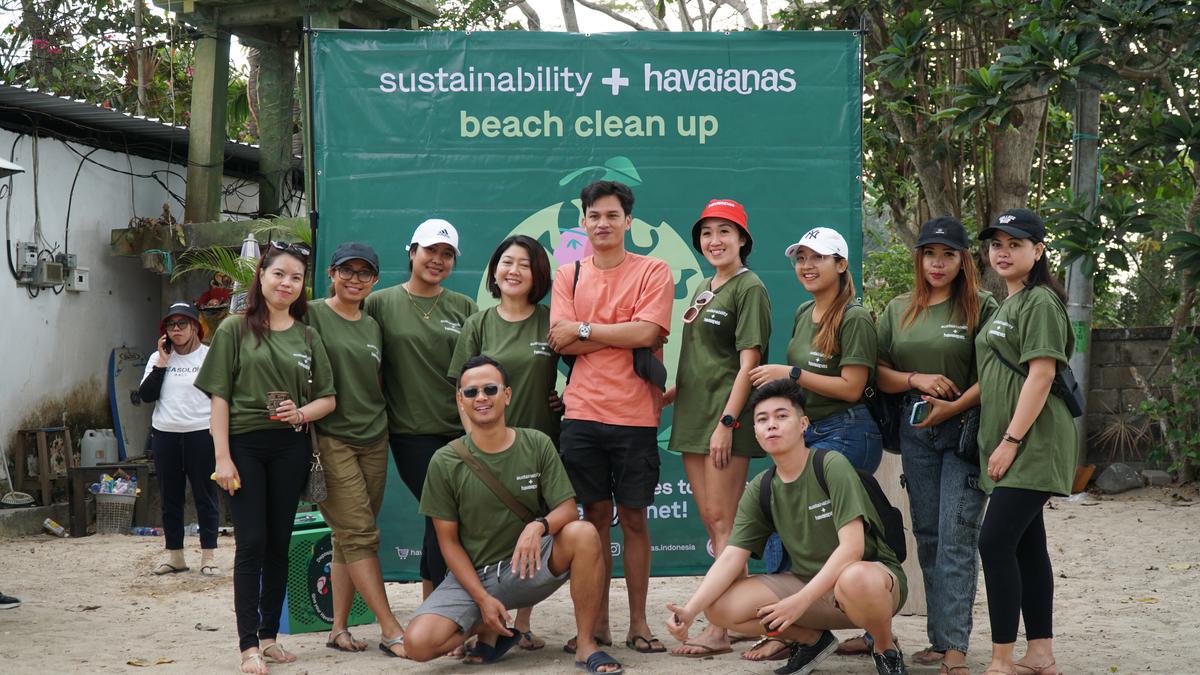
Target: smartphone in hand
<point>167,344</point>
<point>919,414</point>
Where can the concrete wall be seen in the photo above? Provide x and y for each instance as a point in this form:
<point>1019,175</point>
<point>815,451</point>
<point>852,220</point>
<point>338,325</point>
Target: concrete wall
<point>54,348</point>
<point>1114,391</point>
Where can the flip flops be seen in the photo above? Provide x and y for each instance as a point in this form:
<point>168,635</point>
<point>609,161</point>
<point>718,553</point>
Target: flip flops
<point>780,655</point>
<point>598,660</point>
<point>210,570</point>
<point>168,568</point>
<point>333,643</point>
<point>646,645</point>
<point>570,648</point>
<point>529,641</point>
<point>491,653</point>
<point>386,644</point>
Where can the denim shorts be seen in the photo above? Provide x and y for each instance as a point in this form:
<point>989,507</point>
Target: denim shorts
<point>853,433</point>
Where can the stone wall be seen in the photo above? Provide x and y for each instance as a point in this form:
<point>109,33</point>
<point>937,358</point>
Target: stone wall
<point>1113,391</point>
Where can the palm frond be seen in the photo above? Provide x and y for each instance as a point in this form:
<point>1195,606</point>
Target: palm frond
<point>291,230</point>
<point>216,259</point>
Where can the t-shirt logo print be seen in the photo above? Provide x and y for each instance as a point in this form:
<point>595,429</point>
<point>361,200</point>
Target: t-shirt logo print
<point>303,360</point>
<point>821,510</point>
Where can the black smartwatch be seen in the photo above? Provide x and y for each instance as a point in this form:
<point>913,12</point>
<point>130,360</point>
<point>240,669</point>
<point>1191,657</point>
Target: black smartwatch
<point>729,421</point>
<point>795,374</point>
<point>545,524</point>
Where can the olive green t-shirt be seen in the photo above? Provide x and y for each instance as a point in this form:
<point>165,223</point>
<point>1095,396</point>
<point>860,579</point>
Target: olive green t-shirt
<point>1031,324</point>
<point>530,469</point>
<point>808,520</point>
<point>737,318</point>
<point>242,371</point>
<point>522,349</point>
<point>856,339</point>
<point>354,349</point>
<point>936,342</point>
<point>416,354</point>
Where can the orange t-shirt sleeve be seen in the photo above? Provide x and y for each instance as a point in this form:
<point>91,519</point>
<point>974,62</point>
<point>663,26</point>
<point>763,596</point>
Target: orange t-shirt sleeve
<point>658,292</point>
<point>562,300</point>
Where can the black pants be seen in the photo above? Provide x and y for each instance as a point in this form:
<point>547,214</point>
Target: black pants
<point>1016,565</point>
<point>412,454</point>
<point>273,466</point>
<point>179,459</point>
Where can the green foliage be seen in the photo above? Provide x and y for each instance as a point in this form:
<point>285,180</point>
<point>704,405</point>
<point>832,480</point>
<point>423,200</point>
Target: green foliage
<point>887,272</point>
<point>1181,415</point>
<point>216,259</point>
<point>1185,247</point>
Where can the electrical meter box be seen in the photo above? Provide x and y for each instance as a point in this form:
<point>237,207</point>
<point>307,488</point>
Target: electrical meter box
<point>78,280</point>
<point>48,274</point>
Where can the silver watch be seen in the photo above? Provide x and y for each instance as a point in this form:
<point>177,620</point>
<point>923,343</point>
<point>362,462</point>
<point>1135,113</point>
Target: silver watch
<point>585,331</point>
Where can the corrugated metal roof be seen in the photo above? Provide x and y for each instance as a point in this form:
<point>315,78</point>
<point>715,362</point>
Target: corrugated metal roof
<point>22,109</point>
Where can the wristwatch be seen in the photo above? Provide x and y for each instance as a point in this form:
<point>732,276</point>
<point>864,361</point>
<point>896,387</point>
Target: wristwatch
<point>585,331</point>
<point>545,524</point>
<point>795,374</point>
<point>729,421</point>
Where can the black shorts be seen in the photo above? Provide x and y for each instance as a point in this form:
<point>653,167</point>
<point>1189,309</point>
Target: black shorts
<point>610,461</point>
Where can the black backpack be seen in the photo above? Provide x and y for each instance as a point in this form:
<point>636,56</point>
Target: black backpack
<point>893,521</point>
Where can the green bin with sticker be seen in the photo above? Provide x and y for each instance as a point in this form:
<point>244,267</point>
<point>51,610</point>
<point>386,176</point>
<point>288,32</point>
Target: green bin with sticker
<point>308,604</point>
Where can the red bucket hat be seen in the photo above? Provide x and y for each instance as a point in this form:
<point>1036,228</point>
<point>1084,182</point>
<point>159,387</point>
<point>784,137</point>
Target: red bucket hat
<point>725,209</point>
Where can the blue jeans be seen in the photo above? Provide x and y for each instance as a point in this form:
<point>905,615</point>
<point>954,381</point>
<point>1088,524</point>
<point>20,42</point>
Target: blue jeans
<point>851,432</point>
<point>947,508</point>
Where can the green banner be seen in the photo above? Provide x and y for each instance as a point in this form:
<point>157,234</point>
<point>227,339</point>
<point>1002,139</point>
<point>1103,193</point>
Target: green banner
<point>498,132</point>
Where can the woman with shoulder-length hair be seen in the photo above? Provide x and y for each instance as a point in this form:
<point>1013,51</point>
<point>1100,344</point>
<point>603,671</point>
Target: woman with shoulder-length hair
<point>353,444</point>
<point>725,335</point>
<point>421,321</point>
<point>927,353</point>
<point>514,333</point>
<point>1026,440</point>
<point>267,376</point>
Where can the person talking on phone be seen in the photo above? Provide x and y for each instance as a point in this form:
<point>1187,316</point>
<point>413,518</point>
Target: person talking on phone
<point>927,352</point>
<point>179,438</point>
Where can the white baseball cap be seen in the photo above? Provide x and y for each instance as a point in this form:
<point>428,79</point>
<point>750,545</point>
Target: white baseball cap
<point>823,240</point>
<point>436,231</point>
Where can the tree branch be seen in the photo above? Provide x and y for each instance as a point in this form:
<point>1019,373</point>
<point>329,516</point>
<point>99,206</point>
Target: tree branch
<point>568,11</point>
<point>531,16</point>
<point>611,13</point>
<point>648,5</point>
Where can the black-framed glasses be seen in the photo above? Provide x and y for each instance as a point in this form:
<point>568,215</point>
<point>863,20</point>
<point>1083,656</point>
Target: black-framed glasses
<point>694,311</point>
<point>294,249</point>
<point>487,389</point>
<point>346,274</point>
<point>178,323</point>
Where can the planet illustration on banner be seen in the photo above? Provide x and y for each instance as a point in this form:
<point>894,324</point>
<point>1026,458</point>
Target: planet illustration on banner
<point>557,228</point>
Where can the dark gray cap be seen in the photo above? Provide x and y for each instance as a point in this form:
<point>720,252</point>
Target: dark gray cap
<point>1019,223</point>
<point>944,230</point>
<point>353,250</point>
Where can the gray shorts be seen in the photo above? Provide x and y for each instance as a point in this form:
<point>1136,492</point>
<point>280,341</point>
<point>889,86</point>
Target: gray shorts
<point>453,601</point>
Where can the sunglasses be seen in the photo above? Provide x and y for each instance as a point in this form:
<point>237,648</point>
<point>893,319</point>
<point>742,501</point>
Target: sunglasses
<point>295,249</point>
<point>179,323</point>
<point>694,311</point>
<point>488,390</point>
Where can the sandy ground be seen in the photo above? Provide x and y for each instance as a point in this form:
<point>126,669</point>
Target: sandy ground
<point>1128,583</point>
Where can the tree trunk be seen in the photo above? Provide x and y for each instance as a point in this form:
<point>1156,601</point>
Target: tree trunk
<point>1012,152</point>
<point>569,19</point>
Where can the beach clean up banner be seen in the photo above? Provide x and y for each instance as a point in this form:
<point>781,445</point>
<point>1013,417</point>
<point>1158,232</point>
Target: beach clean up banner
<point>497,132</point>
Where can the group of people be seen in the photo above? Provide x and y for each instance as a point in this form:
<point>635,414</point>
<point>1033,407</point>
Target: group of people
<point>466,400</point>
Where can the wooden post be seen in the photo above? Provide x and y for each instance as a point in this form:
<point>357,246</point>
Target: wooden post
<point>888,475</point>
<point>276,98</point>
<point>206,128</point>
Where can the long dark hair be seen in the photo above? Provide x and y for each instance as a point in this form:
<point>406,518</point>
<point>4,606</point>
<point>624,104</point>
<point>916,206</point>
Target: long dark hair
<point>1040,276</point>
<point>964,291</point>
<point>258,315</point>
<point>830,327</point>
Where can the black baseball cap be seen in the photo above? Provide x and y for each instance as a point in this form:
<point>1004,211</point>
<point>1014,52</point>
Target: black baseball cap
<point>353,250</point>
<point>1019,223</point>
<point>181,308</point>
<point>945,230</point>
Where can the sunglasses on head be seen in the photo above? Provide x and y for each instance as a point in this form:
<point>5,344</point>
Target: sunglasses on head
<point>295,249</point>
<point>488,390</point>
<point>694,311</point>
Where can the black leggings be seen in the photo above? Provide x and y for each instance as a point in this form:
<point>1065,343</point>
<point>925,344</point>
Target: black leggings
<point>181,458</point>
<point>272,466</point>
<point>412,454</point>
<point>1016,565</point>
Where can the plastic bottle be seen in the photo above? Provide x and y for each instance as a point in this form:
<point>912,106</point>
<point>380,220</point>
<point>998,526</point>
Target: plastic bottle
<point>146,531</point>
<point>54,528</point>
<point>192,529</point>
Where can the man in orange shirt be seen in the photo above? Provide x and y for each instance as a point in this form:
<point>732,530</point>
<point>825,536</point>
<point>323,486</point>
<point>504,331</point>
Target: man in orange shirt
<point>620,302</point>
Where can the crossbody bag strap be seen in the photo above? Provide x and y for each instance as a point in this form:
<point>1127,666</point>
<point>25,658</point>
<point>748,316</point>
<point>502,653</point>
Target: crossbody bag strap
<point>489,479</point>
<point>312,427</point>
<point>996,353</point>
